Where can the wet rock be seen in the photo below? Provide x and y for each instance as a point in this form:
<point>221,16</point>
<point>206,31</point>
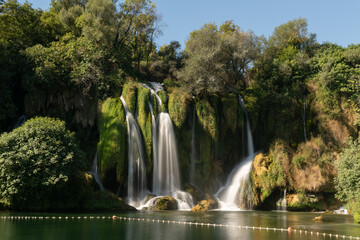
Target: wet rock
<point>318,219</point>
<point>205,205</point>
<point>166,203</point>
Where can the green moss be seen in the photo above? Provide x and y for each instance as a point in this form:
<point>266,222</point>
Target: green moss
<point>179,102</point>
<point>112,141</point>
<point>129,94</point>
<point>207,116</point>
<point>164,100</point>
<point>233,116</point>
<point>145,122</point>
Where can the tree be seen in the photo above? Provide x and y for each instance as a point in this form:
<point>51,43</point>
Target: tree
<point>347,182</point>
<point>39,162</point>
<point>99,21</point>
<point>66,78</point>
<point>167,62</point>
<point>217,61</point>
<point>294,33</point>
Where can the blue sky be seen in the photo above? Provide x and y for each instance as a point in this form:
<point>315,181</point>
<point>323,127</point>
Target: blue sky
<point>333,21</point>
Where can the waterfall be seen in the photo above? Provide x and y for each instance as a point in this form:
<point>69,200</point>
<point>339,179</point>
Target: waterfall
<point>166,172</point>
<point>95,172</point>
<point>237,191</point>
<point>304,118</point>
<point>193,150</point>
<point>281,205</point>
<point>137,189</point>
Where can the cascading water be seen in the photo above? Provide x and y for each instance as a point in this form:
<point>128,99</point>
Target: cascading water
<point>236,194</point>
<point>95,172</point>
<point>166,174</point>
<point>137,189</point>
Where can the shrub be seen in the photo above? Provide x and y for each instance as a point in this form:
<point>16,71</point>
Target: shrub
<point>39,162</point>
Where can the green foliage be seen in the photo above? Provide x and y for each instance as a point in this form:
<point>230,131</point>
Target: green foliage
<point>145,122</point>
<point>354,207</point>
<point>66,78</point>
<point>21,25</point>
<point>275,176</point>
<point>38,165</point>
<point>179,106</point>
<point>168,62</point>
<point>348,178</point>
<point>98,20</point>
<point>295,34</point>
<point>112,141</point>
<point>217,61</point>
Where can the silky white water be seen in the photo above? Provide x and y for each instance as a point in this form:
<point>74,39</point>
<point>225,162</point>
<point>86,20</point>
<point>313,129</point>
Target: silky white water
<point>137,189</point>
<point>236,194</point>
<point>281,205</point>
<point>166,172</point>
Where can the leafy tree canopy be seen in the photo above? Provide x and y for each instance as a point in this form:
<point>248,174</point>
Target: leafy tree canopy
<point>218,59</point>
<point>38,162</point>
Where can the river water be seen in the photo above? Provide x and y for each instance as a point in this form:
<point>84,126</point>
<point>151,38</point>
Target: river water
<point>145,225</point>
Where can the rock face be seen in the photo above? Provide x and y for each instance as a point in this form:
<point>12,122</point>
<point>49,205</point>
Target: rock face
<point>166,203</point>
<point>205,205</point>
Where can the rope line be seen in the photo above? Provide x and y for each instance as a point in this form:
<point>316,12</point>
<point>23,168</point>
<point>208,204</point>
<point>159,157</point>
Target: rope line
<point>289,230</point>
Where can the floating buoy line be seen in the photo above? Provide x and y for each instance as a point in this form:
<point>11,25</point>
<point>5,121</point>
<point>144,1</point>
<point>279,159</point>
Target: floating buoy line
<point>289,230</point>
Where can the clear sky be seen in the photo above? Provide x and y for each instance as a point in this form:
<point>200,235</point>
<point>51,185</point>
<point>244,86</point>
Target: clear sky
<point>332,20</point>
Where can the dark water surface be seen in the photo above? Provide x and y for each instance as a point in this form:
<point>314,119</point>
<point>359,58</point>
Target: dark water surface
<point>75,229</point>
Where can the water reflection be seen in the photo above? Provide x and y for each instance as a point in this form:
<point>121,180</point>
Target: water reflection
<point>132,230</point>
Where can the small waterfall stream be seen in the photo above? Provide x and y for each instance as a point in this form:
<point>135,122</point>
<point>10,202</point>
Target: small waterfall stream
<point>95,172</point>
<point>137,189</point>
<point>281,205</point>
<point>236,194</point>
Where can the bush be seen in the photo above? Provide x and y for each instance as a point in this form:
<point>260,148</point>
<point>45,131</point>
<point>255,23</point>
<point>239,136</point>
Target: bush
<point>39,162</point>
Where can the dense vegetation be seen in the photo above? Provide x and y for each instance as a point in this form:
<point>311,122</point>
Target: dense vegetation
<point>76,59</point>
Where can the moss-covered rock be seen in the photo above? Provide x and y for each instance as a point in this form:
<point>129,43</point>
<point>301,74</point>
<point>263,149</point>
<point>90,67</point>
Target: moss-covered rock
<point>302,201</point>
<point>129,93</point>
<point>208,204</point>
<point>270,171</point>
<point>233,117</point>
<point>112,145</point>
<point>145,122</point>
<point>179,106</point>
<point>164,100</point>
<point>207,116</point>
<point>104,201</point>
<point>166,203</point>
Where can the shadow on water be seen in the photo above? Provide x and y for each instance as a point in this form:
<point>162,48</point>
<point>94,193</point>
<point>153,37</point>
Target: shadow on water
<point>109,228</point>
